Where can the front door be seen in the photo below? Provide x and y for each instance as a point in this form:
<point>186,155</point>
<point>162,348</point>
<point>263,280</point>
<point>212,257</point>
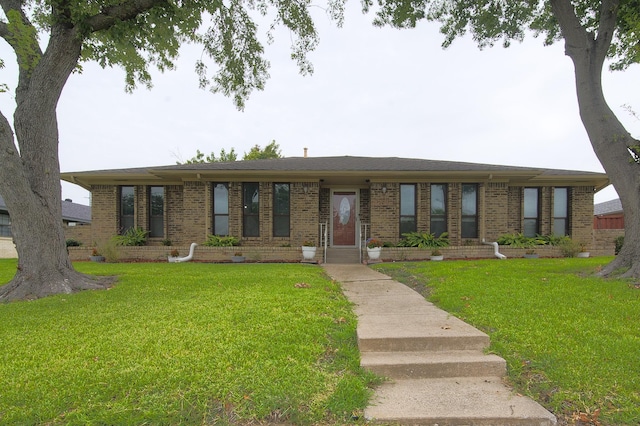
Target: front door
<point>344,218</point>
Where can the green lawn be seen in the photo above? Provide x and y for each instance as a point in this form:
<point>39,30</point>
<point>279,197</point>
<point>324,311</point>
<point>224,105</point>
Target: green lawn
<point>183,343</point>
<point>571,340</point>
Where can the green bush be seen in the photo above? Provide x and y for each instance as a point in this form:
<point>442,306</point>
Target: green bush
<point>520,241</point>
<point>73,243</point>
<point>424,240</point>
<point>216,241</point>
<point>132,237</point>
<point>619,243</point>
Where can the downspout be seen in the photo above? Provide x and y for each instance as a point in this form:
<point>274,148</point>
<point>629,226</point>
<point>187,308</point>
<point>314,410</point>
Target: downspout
<point>496,251</point>
<point>184,259</point>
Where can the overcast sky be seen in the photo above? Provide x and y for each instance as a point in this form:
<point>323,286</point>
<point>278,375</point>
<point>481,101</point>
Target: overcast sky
<point>375,92</point>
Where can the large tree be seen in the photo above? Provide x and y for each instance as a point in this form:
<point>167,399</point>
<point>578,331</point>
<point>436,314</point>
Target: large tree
<point>134,35</point>
<point>595,33</point>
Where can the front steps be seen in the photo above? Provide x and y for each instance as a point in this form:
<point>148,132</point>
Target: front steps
<point>436,369</point>
<point>342,255</point>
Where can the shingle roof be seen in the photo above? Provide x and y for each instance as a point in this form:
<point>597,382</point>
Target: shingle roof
<point>608,207</point>
<point>71,212</point>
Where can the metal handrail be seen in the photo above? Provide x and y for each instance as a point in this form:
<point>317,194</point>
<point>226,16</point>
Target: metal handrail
<point>364,230</point>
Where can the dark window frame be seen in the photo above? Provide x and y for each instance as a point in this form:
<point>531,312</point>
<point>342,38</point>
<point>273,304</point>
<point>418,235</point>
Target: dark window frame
<point>566,218</point>
<point>525,217</point>
<point>127,221</point>
<point>156,220</point>
<point>438,218</point>
<point>280,218</point>
<point>414,216</point>
<point>5,225</point>
<point>217,218</point>
<point>250,218</point>
<point>473,217</point>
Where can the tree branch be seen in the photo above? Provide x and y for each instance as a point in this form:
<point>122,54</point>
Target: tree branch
<point>575,35</point>
<point>122,12</point>
<point>608,18</point>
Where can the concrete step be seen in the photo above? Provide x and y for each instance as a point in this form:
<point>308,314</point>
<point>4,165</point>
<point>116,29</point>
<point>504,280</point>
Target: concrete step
<point>417,365</point>
<point>339,255</point>
<point>460,401</point>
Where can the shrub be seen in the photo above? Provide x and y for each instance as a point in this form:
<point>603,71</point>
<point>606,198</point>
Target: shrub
<point>570,248</point>
<point>166,242</point>
<point>216,241</point>
<point>73,243</point>
<point>520,241</point>
<point>132,237</point>
<point>374,243</point>
<point>424,240</point>
<point>619,242</point>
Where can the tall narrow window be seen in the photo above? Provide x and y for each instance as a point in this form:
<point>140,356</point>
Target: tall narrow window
<point>127,206</point>
<point>281,209</point>
<point>407,208</point>
<point>251,209</point>
<point>5,225</point>
<point>469,210</point>
<point>156,211</point>
<point>438,209</point>
<point>531,224</point>
<point>560,211</point>
<point>220,209</point>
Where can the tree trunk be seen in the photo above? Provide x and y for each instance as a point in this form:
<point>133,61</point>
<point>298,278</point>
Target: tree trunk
<point>609,138</point>
<point>30,178</point>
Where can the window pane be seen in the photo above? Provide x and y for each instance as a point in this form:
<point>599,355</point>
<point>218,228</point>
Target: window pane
<point>531,202</point>
<point>126,201</point>
<point>469,227</point>
<point>407,200</point>
<point>251,226</point>
<point>530,227</point>
<point>281,226</point>
<point>5,225</point>
<point>156,227</point>
<point>281,198</point>
<point>157,200</point>
<point>407,224</point>
<point>251,198</point>
<point>221,225</point>
<point>126,223</point>
<point>559,226</point>
<point>560,202</point>
<point>438,204</point>
<point>438,226</point>
<point>220,199</point>
<point>251,210</point>
<point>469,199</point>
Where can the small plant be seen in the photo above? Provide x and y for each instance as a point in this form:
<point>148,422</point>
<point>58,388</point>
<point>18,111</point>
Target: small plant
<point>166,242</point>
<point>583,247</point>
<point>217,241</point>
<point>95,252</point>
<point>619,241</point>
<point>132,237</point>
<point>238,254</point>
<point>73,243</point>
<point>374,243</point>
<point>436,252</point>
<point>175,253</point>
<point>308,243</point>
<point>424,240</point>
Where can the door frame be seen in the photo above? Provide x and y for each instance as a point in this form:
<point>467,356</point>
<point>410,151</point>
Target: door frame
<point>357,224</point>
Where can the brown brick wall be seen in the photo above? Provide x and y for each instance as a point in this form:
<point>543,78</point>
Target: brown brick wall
<point>188,215</point>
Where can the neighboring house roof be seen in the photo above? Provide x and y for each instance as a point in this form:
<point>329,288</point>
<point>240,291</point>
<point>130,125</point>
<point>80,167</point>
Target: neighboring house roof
<point>344,169</point>
<point>71,212</point>
<point>608,207</point>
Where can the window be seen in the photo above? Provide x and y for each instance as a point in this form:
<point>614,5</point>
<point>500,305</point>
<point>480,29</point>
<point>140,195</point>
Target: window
<point>438,209</point>
<point>251,210</point>
<point>220,209</point>
<point>281,209</point>
<point>156,211</point>
<point>5,225</point>
<point>531,224</point>
<point>407,208</point>
<point>560,211</point>
<point>126,208</point>
<point>469,210</point>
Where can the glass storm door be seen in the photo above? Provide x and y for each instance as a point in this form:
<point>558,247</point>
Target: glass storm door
<point>344,218</point>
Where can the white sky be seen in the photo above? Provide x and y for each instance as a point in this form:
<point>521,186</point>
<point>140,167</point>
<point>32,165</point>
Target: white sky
<point>375,92</point>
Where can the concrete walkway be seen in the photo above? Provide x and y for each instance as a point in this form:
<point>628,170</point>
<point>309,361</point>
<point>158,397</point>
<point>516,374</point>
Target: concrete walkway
<point>437,371</point>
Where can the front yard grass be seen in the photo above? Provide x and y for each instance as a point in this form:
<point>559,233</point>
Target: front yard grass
<point>571,340</point>
<point>184,344</point>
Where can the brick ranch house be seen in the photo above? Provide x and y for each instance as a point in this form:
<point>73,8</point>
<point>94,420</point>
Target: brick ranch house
<point>273,206</point>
